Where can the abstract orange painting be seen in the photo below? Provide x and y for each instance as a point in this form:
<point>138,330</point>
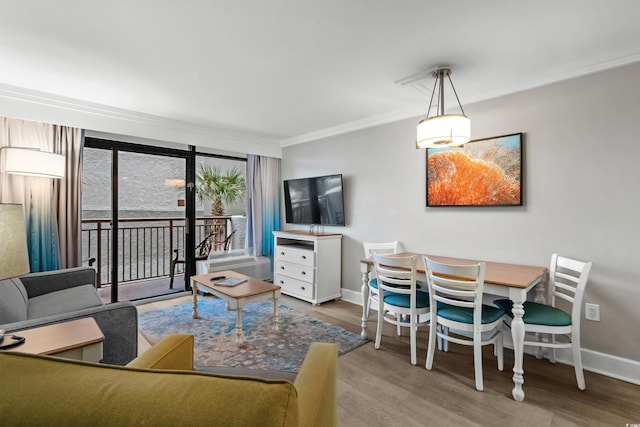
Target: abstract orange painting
<point>483,172</point>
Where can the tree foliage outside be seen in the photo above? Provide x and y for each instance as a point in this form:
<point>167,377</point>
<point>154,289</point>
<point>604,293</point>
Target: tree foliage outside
<point>219,188</point>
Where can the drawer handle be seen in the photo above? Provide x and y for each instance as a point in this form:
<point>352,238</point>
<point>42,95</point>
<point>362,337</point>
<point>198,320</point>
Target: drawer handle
<point>303,288</point>
<point>282,267</point>
<point>281,253</point>
<point>282,282</point>
<point>303,272</point>
<point>304,257</point>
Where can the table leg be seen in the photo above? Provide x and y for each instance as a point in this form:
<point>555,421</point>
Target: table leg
<point>194,289</point>
<point>540,297</point>
<point>239,338</point>
<point>276,319</point>
<point>365,301</point>
<point>517,334</point>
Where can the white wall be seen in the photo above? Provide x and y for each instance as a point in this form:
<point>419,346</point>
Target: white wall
<point>581,178</point>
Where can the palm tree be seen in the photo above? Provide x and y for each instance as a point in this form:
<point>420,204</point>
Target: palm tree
<point>213,186</point>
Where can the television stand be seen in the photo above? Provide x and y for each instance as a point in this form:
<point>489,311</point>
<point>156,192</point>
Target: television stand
<point>307,265</point>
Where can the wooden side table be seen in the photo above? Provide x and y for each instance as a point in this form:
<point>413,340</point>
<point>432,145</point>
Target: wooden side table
<point>79,339</point>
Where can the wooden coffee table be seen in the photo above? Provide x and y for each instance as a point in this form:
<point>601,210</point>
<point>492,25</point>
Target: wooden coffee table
<point>79,339</point>
<point>253,290</point>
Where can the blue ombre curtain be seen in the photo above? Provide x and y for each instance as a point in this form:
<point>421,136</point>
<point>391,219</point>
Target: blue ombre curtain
<point>42,198</point>
<point>263,218</point>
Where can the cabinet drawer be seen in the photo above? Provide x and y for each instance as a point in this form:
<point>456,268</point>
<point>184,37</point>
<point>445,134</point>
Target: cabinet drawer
<point>294,287</point>
<point>295,255</point>
<point>295,271</point>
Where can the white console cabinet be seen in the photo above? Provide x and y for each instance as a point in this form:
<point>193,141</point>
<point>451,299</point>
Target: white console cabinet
<point>308,266</point>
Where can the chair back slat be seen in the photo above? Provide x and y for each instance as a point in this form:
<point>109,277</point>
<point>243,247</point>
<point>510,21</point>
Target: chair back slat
<point>395,274</point>
<point>454,301</point>
<point>568,277</point>
<point>456,285</point>
<point>381,248</point>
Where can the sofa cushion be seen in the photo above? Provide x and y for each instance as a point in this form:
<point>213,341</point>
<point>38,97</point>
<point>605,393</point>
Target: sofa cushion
<point>80,393</point>
<point>63,301</point>
<point>13,301</point>
<point>175,351</point>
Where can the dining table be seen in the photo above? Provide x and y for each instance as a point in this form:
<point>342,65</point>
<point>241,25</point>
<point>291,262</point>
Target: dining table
<point>512,281</point>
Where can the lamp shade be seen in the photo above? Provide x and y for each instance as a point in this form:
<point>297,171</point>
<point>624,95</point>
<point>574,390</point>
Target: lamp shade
<point>14,256</point>
<point>445,130</point>
<point>33,162</point>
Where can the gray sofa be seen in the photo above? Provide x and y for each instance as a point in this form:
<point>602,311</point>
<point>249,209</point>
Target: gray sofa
<point>39,299</point>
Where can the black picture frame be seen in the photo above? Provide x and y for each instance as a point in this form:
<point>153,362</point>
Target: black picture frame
<point>482,172</point>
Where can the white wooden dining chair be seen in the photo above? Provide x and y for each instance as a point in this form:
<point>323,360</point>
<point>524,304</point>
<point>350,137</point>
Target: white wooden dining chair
<point>457,312</point>
<point>548,325</point>
<point>398,295</point>
<point>369,249</point>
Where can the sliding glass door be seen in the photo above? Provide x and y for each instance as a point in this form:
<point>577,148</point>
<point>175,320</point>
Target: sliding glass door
<point>135,210</point>
<point>146,209</point>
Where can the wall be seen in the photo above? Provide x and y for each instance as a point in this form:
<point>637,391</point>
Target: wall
<point>580,197</point>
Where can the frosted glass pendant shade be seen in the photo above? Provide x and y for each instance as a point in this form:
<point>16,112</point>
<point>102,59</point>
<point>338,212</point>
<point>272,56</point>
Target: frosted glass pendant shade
<point>443,131</point>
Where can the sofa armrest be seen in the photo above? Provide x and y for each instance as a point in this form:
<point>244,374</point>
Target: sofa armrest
<point>42,283</point>
<point>316,385</point>
<point>174,351</point>
<point>118,322</point>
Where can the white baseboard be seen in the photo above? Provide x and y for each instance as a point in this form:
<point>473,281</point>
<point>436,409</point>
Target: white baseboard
<point>601,363</point>
<point>352,296</point>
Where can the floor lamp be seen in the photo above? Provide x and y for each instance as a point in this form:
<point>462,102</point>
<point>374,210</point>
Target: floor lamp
<point>32,162</point>
<point>14,257</point>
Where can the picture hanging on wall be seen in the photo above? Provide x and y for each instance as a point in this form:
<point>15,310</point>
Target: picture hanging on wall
<point>483,172</point>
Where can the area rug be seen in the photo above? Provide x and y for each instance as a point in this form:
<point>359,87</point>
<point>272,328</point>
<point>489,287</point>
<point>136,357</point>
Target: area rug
<point>214,333</point>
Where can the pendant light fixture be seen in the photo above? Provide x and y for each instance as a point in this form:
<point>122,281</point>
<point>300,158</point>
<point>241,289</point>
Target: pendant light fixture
<point>443,130</point>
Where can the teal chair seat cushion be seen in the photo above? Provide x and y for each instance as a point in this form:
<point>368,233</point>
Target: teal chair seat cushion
<point>404,300</point>
<point>465,315</point>
<point>537,314</point>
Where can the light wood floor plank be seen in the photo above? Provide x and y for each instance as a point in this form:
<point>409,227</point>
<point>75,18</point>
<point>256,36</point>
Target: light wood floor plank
<point>381,388</point>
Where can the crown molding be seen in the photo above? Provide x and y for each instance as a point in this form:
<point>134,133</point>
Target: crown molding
<point>73,112</point>
<point>367,122</point>
<point>406,114</point>
<point>62,110</point>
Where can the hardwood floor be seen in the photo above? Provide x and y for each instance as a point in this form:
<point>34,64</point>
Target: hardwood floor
<point>381,388</point>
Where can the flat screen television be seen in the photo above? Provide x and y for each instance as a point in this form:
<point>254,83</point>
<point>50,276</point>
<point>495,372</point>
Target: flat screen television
<point>314,201</point>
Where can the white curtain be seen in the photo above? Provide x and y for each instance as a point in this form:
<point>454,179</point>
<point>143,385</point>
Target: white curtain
<point>69,141</point>
<point>263,218</point>
<point>43,198</point>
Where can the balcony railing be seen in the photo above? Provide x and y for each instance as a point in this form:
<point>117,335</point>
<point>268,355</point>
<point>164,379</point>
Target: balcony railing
<point>146,244</point>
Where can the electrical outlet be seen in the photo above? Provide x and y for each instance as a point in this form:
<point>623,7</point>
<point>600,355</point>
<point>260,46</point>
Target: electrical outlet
<point>592,312</point>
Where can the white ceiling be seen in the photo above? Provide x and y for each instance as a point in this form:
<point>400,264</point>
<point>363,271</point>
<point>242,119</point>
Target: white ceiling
<point>288,71</point>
